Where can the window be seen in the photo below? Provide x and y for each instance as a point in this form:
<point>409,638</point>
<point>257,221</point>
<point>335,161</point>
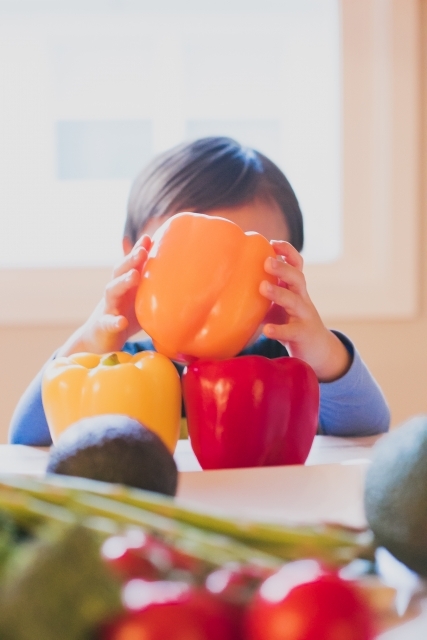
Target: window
<point>90,94</point>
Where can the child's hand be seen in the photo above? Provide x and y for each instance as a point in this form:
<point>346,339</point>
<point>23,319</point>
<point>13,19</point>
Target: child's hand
<point>300,327</point>
<point>114,319</point>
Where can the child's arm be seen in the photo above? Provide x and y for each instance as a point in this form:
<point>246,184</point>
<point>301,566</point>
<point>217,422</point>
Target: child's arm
<point>301,329</point>
<point>351,402</point>
<point>107,329</point>
<point>114,319</point>
<point>353,405</point>
<point>28,425</point>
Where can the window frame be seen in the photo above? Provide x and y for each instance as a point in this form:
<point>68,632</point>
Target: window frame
<point>377,275</point>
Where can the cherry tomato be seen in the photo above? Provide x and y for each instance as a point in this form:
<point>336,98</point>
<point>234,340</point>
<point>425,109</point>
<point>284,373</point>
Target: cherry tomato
<point>234,586</point>
<point>136,554</point>
<point>235,583</point>
<point>304,602</point>
<point>169,610</point>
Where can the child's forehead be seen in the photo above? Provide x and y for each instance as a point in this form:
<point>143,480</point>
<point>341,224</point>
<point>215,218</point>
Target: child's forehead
<point>264,217</point>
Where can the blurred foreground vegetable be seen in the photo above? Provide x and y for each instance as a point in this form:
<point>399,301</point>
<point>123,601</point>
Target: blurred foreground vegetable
<point>217,538</point>
<point>303,601</point>
<point>127,564</point>
<point>59,589</point>
<point>395,493</point>
<point>166,609</point>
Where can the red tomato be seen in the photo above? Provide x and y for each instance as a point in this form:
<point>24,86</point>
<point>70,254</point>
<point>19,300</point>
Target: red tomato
<point>137,555</point>
<point>166,610</point>
<point>234,586</point>
<point>235,583</point>
<point>303,602</point>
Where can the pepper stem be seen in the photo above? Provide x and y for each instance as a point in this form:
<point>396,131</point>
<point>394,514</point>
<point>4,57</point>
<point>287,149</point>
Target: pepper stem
<point>110,360</point>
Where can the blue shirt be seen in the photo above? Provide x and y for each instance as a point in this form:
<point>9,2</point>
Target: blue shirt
<point>353,405</point>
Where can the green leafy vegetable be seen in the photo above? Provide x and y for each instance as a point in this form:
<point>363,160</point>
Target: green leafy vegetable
<point>61,590</point>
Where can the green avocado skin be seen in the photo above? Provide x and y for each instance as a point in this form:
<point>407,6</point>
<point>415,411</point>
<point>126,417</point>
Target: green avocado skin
<point>396,493</point>
<point>118,449</point>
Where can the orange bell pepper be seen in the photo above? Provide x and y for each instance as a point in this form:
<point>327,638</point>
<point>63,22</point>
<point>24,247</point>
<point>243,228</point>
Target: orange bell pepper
<point>145,386</point>
<point>199,292</point>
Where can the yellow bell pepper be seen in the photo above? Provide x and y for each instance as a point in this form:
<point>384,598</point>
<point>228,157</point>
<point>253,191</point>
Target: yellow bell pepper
<point>145,386</point>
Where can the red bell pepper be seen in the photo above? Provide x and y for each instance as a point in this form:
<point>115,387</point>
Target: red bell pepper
<point>251,411</point>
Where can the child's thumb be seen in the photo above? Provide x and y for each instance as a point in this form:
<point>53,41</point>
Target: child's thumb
<point>113,324</point>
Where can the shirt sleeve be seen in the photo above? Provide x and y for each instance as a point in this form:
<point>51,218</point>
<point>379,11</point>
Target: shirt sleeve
<point>28,425</point>
<point>353,405</point>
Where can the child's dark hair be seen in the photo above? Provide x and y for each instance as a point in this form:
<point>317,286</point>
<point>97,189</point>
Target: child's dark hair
<point>209,174</point>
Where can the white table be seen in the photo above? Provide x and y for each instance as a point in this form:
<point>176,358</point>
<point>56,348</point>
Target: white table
<point>325,450</point>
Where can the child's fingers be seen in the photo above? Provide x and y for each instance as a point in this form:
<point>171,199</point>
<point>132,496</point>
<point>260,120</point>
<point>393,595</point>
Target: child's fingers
<point>282,332</point>
<point>118,287</point>
<point>292,277</point>
<point>144,241</point>
<point>112,324</point>
<point>133,260</point>
<point>290,301</point>
<point>291,255</point>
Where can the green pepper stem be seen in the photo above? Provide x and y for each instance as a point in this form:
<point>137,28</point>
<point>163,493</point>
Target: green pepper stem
<point>110,360</point>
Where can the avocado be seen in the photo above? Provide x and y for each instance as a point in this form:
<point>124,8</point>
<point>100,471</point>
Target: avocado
<point>396,493</point>
<point>118,449</point>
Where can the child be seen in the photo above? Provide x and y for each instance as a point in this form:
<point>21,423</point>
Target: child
<point>218,176</point>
